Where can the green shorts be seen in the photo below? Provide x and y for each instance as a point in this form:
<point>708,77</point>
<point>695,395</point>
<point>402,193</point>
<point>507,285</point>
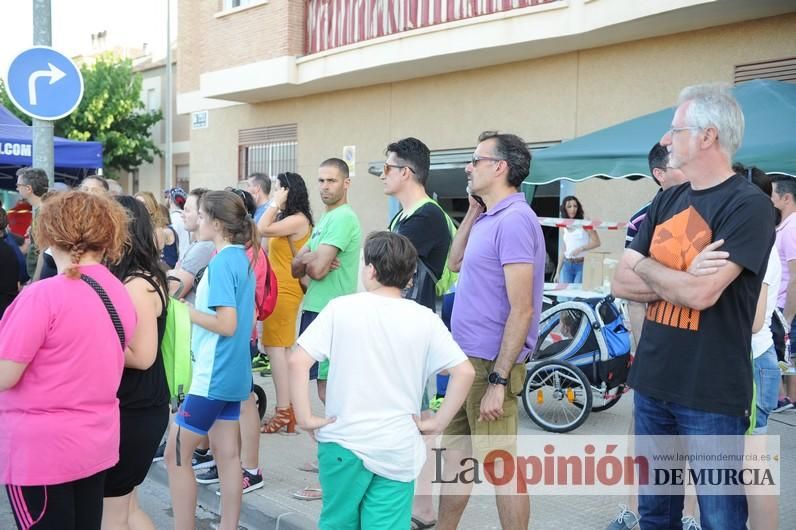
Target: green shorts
<point>323,370</point>
<point>355,498</point>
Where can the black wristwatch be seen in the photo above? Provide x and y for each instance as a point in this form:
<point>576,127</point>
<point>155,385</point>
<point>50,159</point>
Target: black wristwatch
<point>496,379</point>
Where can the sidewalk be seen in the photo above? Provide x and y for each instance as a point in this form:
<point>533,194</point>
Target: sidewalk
<point>273,507</point>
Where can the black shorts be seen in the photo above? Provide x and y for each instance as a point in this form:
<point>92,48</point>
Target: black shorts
<point>141,433</point>
<point>75,505</point>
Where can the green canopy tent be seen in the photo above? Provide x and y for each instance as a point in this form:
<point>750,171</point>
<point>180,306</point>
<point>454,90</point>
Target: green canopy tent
<point>621,150</point>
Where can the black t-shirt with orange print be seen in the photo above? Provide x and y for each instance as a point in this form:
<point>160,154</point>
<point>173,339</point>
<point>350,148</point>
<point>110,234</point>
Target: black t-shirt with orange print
<point>702,359</point>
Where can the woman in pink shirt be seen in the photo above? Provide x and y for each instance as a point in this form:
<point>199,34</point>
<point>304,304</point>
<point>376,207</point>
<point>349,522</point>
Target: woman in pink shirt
<point>61,360</point>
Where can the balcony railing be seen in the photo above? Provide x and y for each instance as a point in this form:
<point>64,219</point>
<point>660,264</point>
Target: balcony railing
<point>335,23</point>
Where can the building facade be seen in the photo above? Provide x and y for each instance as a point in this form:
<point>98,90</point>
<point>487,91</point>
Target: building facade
<point>280,85</point>
<point>152,176</point>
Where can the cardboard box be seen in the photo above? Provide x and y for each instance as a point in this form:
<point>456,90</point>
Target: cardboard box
<point>597,268</point>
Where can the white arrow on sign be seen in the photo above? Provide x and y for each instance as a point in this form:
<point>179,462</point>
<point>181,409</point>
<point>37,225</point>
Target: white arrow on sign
<point>53,73</point>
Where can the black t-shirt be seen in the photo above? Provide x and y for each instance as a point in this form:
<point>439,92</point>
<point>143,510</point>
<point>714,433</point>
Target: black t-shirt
<point>427,229</point>
<point>146,389</point>
<point>9,265</point>
<point>702,359</point>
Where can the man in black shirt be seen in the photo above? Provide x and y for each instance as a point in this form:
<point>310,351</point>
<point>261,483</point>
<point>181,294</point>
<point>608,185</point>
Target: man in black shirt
<point>692,374</point>
<point>424,223</point>
<point>421,220</point>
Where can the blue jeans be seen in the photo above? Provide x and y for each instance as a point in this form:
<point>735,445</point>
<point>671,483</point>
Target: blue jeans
<point>767,378</point>
<point>571,272</point>
<point>663,512</point>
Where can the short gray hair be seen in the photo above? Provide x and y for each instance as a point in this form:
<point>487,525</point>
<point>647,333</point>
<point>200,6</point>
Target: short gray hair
<point>713,105</point>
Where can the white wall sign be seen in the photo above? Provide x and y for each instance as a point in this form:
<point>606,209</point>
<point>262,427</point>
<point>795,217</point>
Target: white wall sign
<point>199,119</point>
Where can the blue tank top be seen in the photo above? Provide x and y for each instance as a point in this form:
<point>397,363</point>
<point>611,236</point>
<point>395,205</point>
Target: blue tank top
<point>170,254</point>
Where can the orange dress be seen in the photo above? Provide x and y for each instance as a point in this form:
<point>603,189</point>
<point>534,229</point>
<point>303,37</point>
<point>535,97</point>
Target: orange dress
<point>279,329</point>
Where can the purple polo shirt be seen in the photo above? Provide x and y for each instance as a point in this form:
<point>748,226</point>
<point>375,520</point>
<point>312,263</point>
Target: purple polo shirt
<point>786,246</point>
<point>508,233</point>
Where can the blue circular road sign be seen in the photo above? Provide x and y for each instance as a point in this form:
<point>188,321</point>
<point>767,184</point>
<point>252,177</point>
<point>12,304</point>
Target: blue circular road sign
<point>44,83</point>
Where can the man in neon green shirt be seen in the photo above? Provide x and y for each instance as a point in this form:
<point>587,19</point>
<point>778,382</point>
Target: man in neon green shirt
<point>331,256</point>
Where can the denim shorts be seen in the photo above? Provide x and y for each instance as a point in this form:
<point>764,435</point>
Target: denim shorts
<point>767,378</point>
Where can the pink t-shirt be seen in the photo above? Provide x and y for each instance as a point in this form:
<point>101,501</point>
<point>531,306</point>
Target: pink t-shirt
<point>60,422</point>
<point>786,246</point>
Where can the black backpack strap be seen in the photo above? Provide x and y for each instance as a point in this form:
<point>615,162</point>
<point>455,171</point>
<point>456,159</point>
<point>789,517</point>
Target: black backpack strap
<point>117,322</point>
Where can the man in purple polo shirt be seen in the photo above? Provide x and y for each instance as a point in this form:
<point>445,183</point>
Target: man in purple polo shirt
<point>500,254</point>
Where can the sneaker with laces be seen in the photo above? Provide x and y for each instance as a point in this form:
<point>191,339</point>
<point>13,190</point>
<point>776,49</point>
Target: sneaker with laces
<point>266,370</point>
<point>208,477</point>
<point>202,461</point>
<point>259,362</point>
<point>625,520</point>
<point>251,481</point>
<point>689,523</point>
<point>783,404</point>
<point>159,453</point>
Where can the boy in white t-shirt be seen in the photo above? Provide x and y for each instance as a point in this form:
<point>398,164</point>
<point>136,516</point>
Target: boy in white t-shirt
<point>382,349</point>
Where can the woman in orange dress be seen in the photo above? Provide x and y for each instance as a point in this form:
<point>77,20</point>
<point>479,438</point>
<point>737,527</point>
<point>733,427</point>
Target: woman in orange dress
<point>287,222</point>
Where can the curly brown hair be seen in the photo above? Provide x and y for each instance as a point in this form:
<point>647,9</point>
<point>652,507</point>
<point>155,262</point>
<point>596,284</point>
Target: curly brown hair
<point>80,222</point>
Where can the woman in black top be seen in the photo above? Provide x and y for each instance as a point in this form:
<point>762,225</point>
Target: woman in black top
<point>143,393</point>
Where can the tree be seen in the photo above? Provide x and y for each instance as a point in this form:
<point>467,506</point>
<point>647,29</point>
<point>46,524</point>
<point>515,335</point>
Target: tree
<point>111,112</point>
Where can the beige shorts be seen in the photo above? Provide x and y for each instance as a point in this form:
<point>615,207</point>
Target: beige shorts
<point>487,435</point>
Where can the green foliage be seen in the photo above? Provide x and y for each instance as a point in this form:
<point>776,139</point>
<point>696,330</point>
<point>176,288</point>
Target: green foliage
<point>111,112</point>
<point>7,103</point>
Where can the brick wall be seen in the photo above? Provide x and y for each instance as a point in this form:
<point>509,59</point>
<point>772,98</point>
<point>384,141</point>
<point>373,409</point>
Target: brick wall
<point>208,43</point>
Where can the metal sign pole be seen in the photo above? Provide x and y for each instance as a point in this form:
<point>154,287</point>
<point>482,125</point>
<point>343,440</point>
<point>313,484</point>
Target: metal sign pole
<point>43,150</point>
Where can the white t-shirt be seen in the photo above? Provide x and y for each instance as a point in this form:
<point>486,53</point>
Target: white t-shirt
<point>763,339</point>
<point>574,239</point>
<point>183,238</point>
<point>381,352</point>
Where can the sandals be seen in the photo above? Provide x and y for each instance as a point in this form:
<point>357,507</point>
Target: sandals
<point>308,494</point>
<point>283,419</point>
<point>419,524</point>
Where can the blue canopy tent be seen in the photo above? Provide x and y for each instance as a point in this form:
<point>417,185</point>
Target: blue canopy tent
<point>73,159</point>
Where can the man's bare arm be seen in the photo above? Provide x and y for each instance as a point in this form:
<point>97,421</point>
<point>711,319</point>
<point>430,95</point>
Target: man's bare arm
<point>298,268</point>
<point>684,288</point>
<point>519,287</point>
<point>319,263</point>
<point>629,285</point>
<point>459,243</point>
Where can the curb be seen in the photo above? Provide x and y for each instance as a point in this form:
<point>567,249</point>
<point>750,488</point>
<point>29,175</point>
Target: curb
<point>268,515</point>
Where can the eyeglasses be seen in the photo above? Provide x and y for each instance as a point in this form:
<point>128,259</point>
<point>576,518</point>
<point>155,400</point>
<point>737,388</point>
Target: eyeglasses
<point>475,159</point>
<point>387,168</point>
<point>673,130</point>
